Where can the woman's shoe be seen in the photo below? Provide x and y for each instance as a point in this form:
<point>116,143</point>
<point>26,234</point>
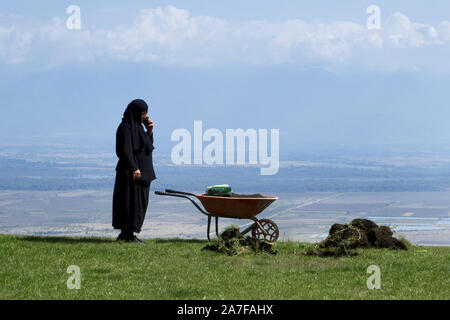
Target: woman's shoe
<point>121,237</point>
<point>126,236</point>
<point>137,240</point>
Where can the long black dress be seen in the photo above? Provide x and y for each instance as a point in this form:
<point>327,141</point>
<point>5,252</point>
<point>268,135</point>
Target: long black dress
<point>130,198</point>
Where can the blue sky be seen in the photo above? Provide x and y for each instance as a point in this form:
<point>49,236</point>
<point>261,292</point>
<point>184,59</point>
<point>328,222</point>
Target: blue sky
<point>310,68</point>
<point>352,10</point>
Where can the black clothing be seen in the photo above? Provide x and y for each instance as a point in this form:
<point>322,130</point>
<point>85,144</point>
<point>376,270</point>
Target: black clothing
<point>134,149</point>
<point>132,115</point>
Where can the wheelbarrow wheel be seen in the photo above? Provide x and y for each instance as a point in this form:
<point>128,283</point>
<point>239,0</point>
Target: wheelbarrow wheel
<point>270,228</point>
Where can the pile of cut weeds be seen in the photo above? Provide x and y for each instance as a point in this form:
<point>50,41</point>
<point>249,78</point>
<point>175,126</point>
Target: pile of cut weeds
<point>233,243</point>
<point>360,233</point>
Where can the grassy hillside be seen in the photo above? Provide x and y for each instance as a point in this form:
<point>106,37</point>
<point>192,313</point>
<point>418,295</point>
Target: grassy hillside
<point>36,268</point>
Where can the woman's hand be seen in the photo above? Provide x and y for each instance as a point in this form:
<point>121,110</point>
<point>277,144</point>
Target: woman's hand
<point>136,175</point>
<point>149,125</point>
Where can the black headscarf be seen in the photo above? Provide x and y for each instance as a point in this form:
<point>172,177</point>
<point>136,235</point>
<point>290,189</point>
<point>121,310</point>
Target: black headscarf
<point>132,115</point>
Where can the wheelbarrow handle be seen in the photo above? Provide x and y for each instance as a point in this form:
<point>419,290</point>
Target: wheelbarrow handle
<point>183,196</point>
<point>181,192</point>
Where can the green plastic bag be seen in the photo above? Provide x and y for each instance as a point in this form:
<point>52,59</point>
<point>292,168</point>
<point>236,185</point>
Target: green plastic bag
<point>219,190</point>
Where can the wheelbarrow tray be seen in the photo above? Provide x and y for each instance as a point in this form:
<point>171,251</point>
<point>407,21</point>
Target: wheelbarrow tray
<point>235,207</point>
<point>241,207</point>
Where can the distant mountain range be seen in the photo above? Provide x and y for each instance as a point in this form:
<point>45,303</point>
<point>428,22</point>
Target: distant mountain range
<point>85,104</point>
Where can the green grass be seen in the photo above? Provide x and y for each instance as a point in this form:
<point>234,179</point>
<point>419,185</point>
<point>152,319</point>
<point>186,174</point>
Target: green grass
<point>35,268</point>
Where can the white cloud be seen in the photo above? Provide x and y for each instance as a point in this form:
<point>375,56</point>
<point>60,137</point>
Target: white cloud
<point>14,44</point>
<point>404,33</point>
<point>336,41</point>
<point>55,30</point>
<point>172,36</point>
<point>159,33</point>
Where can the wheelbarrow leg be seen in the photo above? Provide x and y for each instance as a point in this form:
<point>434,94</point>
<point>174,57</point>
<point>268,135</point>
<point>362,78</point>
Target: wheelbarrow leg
<point>256,223</point>
<point>248,229</point>
<point>217,227</point>
<point>209,227</point>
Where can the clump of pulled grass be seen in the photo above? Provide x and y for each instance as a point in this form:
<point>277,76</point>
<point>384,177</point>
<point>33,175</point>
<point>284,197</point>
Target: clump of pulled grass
<point>233,243</point>
<point>360,233</point>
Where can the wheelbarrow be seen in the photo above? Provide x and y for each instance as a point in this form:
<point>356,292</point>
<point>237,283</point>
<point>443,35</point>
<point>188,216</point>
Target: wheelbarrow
<point>233,207</point>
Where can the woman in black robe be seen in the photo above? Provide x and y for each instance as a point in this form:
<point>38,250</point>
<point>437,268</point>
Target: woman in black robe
<point>134,170</point>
